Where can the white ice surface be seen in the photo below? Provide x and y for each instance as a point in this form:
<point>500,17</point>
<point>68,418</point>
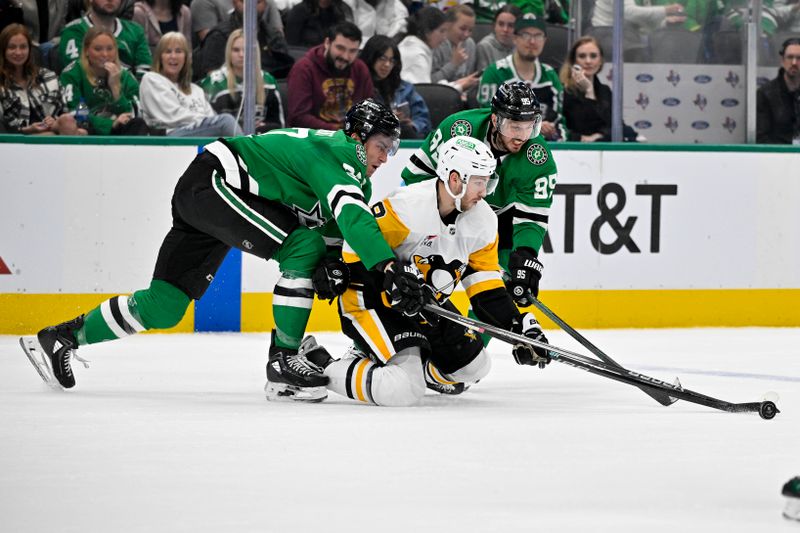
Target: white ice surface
<point>172,433</point>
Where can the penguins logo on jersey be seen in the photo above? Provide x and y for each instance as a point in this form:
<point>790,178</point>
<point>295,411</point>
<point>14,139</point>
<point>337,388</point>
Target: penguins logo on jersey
<point>461,127</point>
<point>537,154</point>
<point>444,277</point>
<point>361,153</point>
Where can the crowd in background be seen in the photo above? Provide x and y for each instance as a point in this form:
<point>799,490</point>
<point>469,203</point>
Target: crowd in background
<point>175,67</point>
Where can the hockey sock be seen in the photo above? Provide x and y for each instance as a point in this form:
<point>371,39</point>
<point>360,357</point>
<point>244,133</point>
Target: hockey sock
<point>160,306</point>
<point>293,295</point>
<point>398,383</point>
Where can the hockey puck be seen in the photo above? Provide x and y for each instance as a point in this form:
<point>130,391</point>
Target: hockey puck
<point>767,411</point>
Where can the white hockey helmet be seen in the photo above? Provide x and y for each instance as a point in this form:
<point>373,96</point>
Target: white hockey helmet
<point>467,156</point>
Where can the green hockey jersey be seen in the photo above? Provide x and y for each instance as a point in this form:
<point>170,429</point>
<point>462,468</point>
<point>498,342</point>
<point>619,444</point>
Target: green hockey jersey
<point>131,43</point>
<point>321,175</point>
<point>524,193</point>
<point>545,85</point>
<point>103,109</point>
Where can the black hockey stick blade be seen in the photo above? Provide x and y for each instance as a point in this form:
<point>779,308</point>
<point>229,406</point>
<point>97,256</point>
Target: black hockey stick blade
<point>766,409</point>
<point>662,398</point>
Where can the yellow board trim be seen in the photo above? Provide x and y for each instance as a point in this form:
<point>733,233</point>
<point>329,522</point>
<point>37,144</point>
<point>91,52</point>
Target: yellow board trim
<point>25,314</point>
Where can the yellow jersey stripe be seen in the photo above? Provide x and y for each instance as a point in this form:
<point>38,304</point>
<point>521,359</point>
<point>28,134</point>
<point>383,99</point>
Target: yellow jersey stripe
<point>482,286</point>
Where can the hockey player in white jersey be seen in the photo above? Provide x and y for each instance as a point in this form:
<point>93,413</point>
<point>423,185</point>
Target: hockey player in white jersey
<point>445,233</point>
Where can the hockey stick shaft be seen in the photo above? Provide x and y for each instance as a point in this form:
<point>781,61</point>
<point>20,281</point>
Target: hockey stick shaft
<point>766,409</point>
<point>661,398</point>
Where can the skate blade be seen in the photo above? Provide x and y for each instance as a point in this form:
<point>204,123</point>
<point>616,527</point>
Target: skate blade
<point>281,392</point>
<point>40,361</point>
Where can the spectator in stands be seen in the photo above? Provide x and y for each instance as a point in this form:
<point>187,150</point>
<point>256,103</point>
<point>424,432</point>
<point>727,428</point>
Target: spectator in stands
<point>788,15</point>
<point>587,102</point>
<point>308,23</point>
<point>45,24</point>
<point>274,50</point>
<point>379,17</point>
<point>427,29</point>
<point>500,42</point>
<point>108,89</point>
<point>31,101</point>
<point>640,20</point>
<point>158,17</point>
<point>170,100</point>
<point>778,101</point>
<point>78,8</point>
<point>530,36</point>
<point>383,59</point>
<point>328,80</point>
<point>454,59</point>
<point>134,53</point>
<point>223,88</point>
<point>206,14</point>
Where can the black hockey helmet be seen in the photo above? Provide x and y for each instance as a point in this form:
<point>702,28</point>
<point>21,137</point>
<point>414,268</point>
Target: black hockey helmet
<point>516,101</point>
<point>368,117</point>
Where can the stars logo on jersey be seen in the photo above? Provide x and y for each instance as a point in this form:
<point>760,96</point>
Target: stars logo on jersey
<point>460,127</point>
<point>310,219</point>
<point>361,153</point>
<point>537,154</point>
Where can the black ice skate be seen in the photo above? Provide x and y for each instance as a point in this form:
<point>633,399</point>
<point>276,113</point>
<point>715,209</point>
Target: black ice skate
<point>290,376</point>
<point>50,352</point>
<point>314,353</point>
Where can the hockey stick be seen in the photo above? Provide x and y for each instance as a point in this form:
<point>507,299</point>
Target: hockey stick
<point>663,399</point>
<point>766,409</point>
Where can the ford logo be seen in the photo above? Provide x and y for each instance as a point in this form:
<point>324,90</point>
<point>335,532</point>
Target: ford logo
<point>643,124</point>
<point>672,102</point>
<point>644,78</point>
<point>702,78</point>
<point>729,102</point>
<point>700,124</point>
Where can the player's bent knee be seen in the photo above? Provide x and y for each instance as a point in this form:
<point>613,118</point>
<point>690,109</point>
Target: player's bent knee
<point>161,306</point>
<point>476,370</point>
<point>301,252</point>
<point>398,385</point>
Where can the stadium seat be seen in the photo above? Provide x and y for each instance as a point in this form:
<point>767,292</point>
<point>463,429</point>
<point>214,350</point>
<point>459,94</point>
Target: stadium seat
<point>442,100</point>
<point>557,46</point>
<point>297,51</point>
<point>481,30</point>
<point>675,45</point>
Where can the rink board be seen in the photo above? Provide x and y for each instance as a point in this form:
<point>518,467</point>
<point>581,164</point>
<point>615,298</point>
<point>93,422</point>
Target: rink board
<point>640,236</point>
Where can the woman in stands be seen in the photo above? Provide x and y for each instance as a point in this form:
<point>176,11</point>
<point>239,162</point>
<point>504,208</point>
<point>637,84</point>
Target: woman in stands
<point>158,17</point>
<point>308,22</point>
<point>31,101</point>
<point>383,59</point>
<point>170,100</point>
<point>109,90</point>
<point>223,87</point>
<point>587,102</point>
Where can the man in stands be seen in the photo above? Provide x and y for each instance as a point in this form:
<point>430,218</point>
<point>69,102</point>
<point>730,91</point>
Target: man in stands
<point>778,103</point>
<point>328,80</point>
<point>134,53</point>
<point>530,37</point>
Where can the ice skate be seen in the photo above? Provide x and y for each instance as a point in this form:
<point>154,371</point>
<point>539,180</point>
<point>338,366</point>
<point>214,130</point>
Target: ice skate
<point>314,353</point>
<point>290,377</point>
<point>51,350</point>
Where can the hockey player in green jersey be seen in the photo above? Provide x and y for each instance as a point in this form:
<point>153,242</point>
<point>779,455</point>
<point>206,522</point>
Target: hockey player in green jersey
<point>526,177</point>
<point>131,41</point>
<point>264,195</point>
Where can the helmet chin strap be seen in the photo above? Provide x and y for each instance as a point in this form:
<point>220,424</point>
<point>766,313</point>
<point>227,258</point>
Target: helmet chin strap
<point>458,198</point>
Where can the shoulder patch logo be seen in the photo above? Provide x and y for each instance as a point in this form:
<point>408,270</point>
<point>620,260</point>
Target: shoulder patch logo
<point>537,154</point>
<point>361,153</point>
<point>460,127</point>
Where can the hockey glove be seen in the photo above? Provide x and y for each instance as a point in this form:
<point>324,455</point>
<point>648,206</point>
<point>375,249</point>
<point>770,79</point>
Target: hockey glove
<point>331,278</point>
<point>525,354</point>
<point>405,288</point>
<point>525,271</point>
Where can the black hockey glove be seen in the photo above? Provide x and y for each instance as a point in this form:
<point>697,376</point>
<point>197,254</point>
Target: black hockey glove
<point>405,288</point>
<point>525,271</point>
<point>331,278</point>
<point>525,354</point>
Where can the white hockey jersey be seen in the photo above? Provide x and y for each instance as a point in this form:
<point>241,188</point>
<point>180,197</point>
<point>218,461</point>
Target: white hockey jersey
<point>465,251</point>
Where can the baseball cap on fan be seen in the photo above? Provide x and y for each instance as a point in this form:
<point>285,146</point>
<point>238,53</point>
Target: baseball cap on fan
<point>529,20</point>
